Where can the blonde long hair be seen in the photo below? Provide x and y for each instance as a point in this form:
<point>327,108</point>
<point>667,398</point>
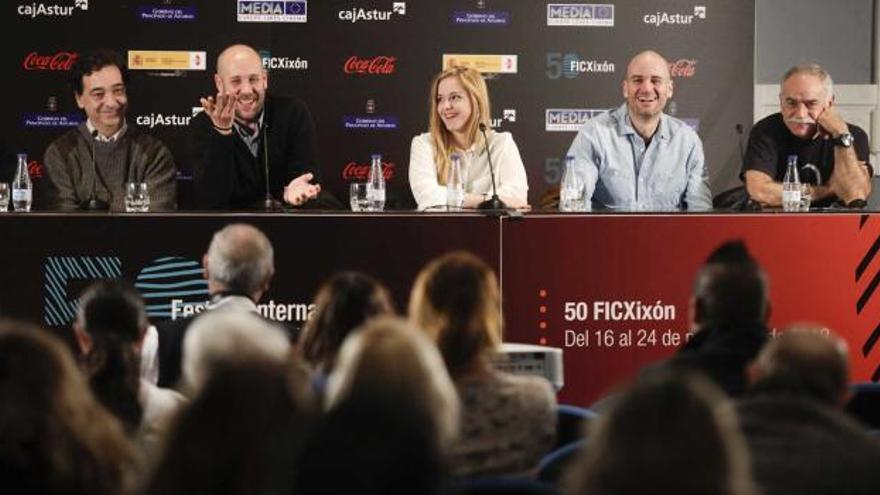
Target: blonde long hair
<point>475,86</point>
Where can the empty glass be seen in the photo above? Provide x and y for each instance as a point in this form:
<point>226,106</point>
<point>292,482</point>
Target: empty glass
<point>137,197</point>
<point>360,201</point>
<point>4,196</point>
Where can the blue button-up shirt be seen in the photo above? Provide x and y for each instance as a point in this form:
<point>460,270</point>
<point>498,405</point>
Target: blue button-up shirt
<point>621,173</point>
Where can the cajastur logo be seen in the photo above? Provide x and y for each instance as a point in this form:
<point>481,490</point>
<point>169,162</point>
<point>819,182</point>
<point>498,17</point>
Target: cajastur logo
<point>35,9</point>
<point>683,67</point>
<point>61,61</point>
<point>379,65</point>
<point>355,172</point>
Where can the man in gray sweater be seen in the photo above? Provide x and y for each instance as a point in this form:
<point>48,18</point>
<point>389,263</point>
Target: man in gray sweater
<point>88,167</point>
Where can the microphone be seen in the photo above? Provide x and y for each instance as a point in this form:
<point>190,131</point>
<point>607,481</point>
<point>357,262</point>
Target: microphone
<point>493,203</point>
<point>742,155</point>
<point>93,203</point>
<point>269,203</point>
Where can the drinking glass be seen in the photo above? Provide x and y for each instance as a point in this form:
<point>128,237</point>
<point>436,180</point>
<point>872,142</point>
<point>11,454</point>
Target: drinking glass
<point>358,196</point>
<point>4,196</point>
<point>137,197</point>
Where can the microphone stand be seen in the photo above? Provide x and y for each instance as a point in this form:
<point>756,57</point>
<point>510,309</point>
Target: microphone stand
<point>94,203</point>
<point>493,203</point>
<point>269,203</point>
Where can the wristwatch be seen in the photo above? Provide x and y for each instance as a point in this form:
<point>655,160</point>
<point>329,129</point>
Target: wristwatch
<point>845,140</point>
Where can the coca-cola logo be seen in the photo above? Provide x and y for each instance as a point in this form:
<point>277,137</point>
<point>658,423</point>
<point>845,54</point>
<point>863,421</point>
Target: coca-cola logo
<point>683,67</point>
<point>35,169</point>
<point>354,171</point>
<point>61,61</point>
<point>381,64</point>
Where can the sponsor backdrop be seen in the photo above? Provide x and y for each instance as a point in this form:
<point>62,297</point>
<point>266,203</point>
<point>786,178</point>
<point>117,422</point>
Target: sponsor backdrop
<point>613,302</point>
<point>364,68</point>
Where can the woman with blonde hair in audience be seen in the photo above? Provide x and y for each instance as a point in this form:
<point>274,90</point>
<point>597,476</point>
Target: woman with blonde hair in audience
<point>668,433</point>
<point>388,359</point>
<point>508,421</point>
<point>458,107</point>
<point>54,436</point>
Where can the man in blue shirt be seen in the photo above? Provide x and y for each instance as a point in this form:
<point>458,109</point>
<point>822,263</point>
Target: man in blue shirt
<point>635,157</point>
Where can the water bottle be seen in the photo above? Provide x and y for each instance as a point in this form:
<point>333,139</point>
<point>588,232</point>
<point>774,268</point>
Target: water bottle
<point>571,190</point>
<point>376,185</point>
<point>454,184</point>
<point>22,188</point>
<point>791,186</point>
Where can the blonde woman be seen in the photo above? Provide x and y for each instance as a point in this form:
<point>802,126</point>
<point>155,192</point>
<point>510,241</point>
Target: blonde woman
<point>459,103</point>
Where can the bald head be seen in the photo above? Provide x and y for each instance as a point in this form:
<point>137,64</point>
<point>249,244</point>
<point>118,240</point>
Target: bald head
<point>647,87</point>
<point>805,361</point>
<point>240,72</point>
<point>650,58</point>
<point>240,259</point>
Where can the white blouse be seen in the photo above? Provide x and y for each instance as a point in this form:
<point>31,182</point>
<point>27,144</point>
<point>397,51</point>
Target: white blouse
<point>510,174</point>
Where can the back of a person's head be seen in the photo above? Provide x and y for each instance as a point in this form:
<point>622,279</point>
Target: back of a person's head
<point>241,258</point>
<point>113,318</point>
<point>368,446</point>
<point>803,362</point>
<point>657,427</point>
<point>221,337</point>
<point>389,360</point>
<point>343,303</point>
<point>730,288</point>
<point>242,434</point>
<point>455,299</point>
<point>54,437</point>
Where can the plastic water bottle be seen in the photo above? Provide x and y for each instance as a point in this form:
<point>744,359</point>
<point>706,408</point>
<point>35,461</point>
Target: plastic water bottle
<point>571,190</point>
<point>22,188</point>
<point>791,186</point>
<point>376,185</point>
<point>454,184</point>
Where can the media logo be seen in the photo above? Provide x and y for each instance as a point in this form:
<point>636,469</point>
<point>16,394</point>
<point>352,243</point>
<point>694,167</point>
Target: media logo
<point>580,14</point>
<point>486,64</point>
<point>164,120</point>
<point>507,115</point>
<point>282,63</point>
<point>165,60</point>
<point>166,13</point>
<point>569,119</point>
<point>272,11</point>
<point>358,172</point>
<point>379,65</point>
<point>571,65</point>
<point>683,68</point>
<point>61,61</point>
<point>41,9</point>
<point>658,19</point>
<point>370,123</point>
<point>360,14</point>
<point>51,120</point>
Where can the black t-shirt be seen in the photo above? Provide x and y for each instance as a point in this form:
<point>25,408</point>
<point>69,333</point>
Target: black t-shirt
<point>770,143</point>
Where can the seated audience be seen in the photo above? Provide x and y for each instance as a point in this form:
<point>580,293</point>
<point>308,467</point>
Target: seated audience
<point>800,440</point>
<point>459,105</point>
<point>54,436</point>
<point>666,434</point>
<point>508,421</point>
<point>243,434</point>
<point>343,303</point>
<point>110,328</point>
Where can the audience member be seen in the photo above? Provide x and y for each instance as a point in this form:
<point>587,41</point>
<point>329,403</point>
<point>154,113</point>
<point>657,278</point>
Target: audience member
<point>389,360</point>
<point>239,265</point>
<point>508,421</point>
<point>110,328</point>
<point>729,310</point>
<point>243,434</point>
<point>54,436</point>
<point>343,303</point>
<point>801,442</point>
<point>665,434</point>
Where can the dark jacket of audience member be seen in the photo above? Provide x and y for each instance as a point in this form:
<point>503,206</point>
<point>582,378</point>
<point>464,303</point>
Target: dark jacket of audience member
<point>800,440</point>
<point>55,439</point>
<point>730,307</point>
